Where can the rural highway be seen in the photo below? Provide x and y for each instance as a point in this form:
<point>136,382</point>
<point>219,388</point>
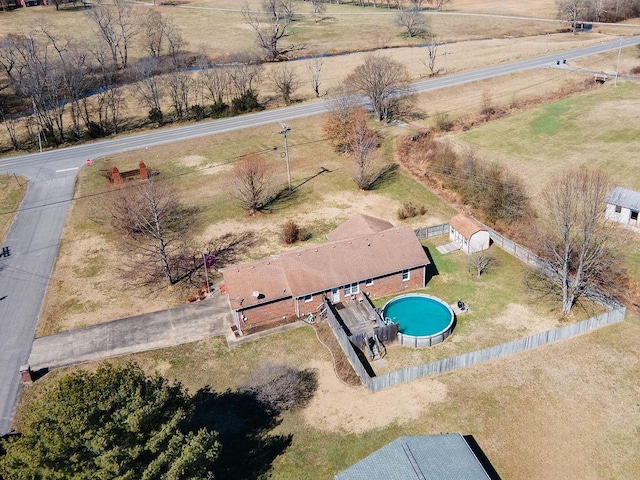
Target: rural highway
<point>32,243</point>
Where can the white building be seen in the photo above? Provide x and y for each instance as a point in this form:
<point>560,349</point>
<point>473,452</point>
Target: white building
<point>623,206</point>
<point>469,234</point>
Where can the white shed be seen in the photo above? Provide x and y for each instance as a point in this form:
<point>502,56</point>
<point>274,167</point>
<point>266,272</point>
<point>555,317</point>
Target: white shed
<point>469,234</point>
<point>623,206</point>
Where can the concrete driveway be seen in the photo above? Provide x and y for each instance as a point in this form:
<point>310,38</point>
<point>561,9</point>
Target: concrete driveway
<point>176,326</point>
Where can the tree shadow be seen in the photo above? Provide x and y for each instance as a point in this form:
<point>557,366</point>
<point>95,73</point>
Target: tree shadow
<point>243,424</point>
<point>387,175</point>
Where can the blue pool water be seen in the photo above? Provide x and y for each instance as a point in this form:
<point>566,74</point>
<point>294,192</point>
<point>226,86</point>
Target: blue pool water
<point>419,315</point>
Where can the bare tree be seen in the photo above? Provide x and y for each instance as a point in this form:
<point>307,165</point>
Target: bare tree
<point>153,26</point>
<point>115,26</point>
<point>153,227</point>
<point>578,243</point>
<point>179,83</point>
<point>480,262</point>
<point>572,11</point>
<point>271,25</point>
<point>252,182</point>
<point>318,7</point>
<point>439,3</point>
<point>413,20</point>
<point>362,143</point>
<point>110,97</point>
<point>340,121</point>
<point>285,81</point>
<point>314,67</point>
<point>150,87</point>
<point>244,74</point>
<point>384,81</point>
<point>432,55</point>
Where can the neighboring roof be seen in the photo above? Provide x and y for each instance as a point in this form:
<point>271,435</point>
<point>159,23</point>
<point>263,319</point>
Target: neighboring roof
<point>466,225</point>
<point>429,457</point>
<point>358,225</point>
<point>321,267</point>
<point>625,198</point>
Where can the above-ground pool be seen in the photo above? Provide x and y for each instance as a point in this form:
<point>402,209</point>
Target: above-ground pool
<point>422,320</point>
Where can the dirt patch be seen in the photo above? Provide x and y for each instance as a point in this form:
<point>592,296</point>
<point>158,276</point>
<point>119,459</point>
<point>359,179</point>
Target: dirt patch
<point>340,408</point>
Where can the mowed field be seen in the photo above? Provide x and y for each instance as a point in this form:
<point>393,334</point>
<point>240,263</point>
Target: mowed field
<point>598,129</point>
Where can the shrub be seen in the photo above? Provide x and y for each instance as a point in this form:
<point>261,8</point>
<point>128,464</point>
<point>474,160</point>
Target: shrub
<point>198,112</point>
<point>219,109</point>
<point>282,387</point>
<point>408,210</point>
<point>292,233</point>
<point>443,122</point>
<point>155,115</point>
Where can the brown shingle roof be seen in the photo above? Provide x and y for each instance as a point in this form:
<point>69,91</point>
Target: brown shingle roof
<point>325,266</point>
<point>358,225</point>
<point>465,225</point>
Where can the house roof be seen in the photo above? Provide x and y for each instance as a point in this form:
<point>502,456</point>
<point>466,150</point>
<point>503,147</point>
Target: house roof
<point>358,225</point>
<point>324,266</point>
<point>625,198</point>
<point>429,457</point>
<point>466,225</point>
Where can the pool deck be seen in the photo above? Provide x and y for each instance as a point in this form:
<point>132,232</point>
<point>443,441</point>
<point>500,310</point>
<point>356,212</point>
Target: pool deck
<point>357,316</point>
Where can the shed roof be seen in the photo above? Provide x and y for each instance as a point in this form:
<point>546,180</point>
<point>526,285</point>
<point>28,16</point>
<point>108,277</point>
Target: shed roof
<point>359,224</point>
<point>429,457</point>
<point>466,225</point>
<point>321,267</point>
<point>625,198</point>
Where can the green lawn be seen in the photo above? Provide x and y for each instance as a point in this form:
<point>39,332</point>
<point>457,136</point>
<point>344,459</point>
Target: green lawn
<point>598,129</point>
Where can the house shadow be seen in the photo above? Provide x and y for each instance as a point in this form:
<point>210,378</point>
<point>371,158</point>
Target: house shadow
<point>432,269</point>
<point>243,423</point>
<point>482,458</point>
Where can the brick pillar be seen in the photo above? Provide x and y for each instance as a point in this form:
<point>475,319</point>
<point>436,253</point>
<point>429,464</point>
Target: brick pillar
<point>115,175</point>
<point>25,374</point>
<point>144,172</point>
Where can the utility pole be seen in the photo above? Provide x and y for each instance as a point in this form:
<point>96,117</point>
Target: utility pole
<point>618,63</point>
<point>285,129</point>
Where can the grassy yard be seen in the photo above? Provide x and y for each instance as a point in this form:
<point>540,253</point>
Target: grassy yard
<point>12,191</point>
<point>598,129</point>
<point>560,411</point>
<point>87,282</point>
<point>501,308</point>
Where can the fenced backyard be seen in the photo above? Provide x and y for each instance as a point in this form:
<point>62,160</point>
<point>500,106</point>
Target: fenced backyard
<point>615,313</point>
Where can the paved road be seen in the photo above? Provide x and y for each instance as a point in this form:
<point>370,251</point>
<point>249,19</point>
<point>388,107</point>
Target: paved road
<point>35,234</point>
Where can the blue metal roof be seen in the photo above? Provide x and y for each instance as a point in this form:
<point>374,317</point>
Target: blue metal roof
<point>427,457</point>
<point>624,197</point>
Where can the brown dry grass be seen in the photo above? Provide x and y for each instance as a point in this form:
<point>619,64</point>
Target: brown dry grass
<point>12,191</point>
<point>564,411</point>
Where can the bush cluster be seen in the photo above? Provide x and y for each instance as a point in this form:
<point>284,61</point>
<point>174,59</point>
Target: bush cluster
<point>292,233</point>
<point>408,210</point>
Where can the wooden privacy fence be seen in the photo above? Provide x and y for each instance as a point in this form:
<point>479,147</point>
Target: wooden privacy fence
<point>614,315</point>
<point>503,350</point>
<point>434,231</point>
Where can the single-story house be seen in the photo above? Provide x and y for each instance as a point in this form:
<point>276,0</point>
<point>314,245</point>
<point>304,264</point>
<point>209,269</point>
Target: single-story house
<point>427,457</point>
<point>357,226</point>
<point>623,205</point>
<point>469,234</point>
<point>293,284</point>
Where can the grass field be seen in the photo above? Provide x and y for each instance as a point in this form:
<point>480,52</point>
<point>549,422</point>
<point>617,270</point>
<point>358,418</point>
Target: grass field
<point>12,190</point>
<point>599,129</point>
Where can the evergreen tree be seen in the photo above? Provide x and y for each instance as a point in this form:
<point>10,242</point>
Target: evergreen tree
<point>116,423</point>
